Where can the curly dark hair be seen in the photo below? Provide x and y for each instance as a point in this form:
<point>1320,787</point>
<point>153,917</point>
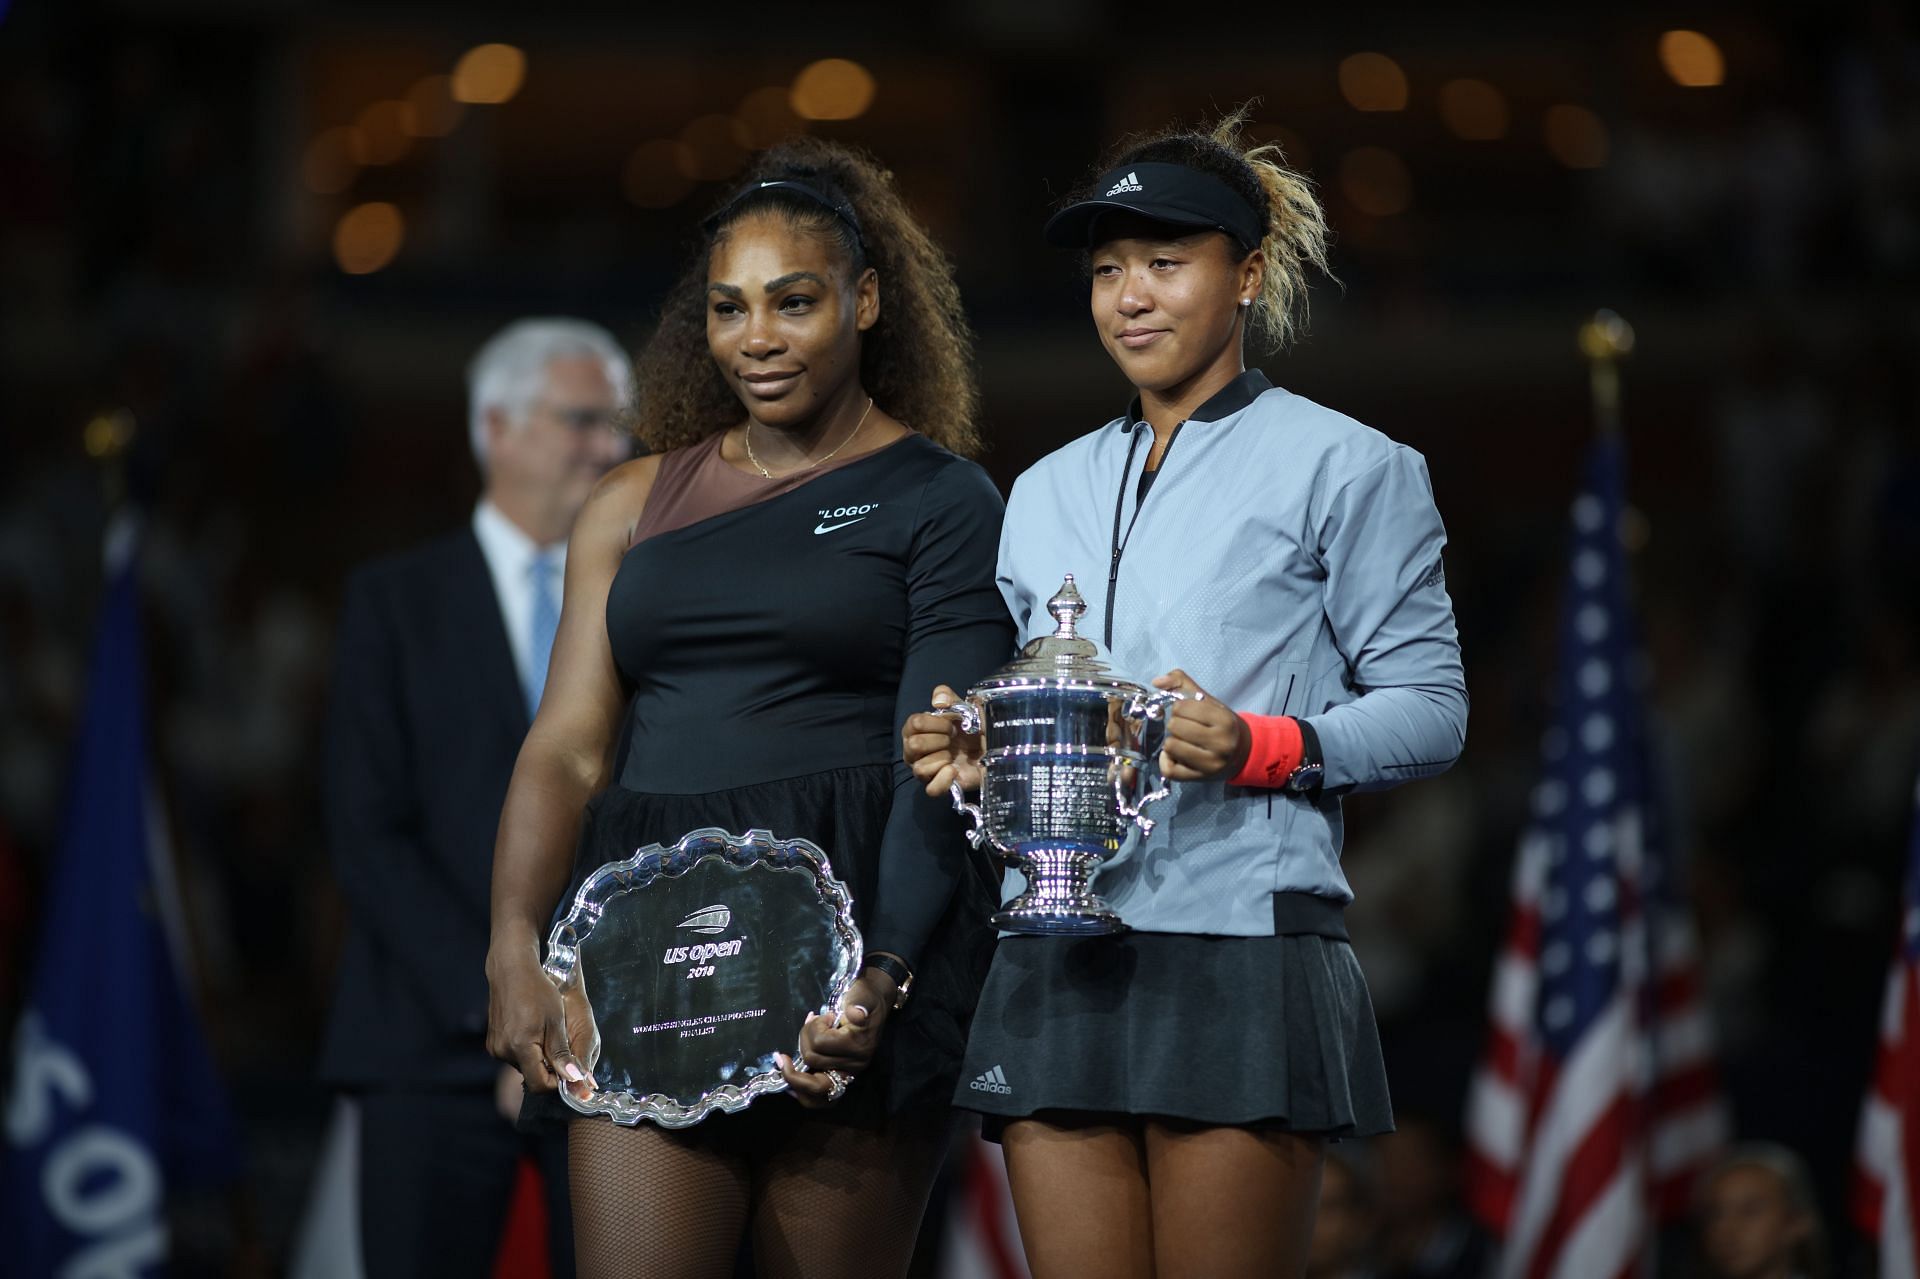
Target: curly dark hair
<point>1294,229</point>
<point>917,359</point>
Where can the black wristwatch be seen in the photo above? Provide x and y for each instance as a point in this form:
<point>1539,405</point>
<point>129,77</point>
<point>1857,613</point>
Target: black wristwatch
<point>1306,777</point>
<point>901,974</point>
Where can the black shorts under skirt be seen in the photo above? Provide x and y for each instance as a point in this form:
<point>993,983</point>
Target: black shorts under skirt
<point>1272,1032</point>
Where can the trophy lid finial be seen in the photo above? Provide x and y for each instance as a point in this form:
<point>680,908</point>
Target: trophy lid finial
<point>1062,654</point>
<point>1067,607</point>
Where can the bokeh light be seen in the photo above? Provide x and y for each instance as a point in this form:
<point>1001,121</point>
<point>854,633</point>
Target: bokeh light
<point>1376,181</point>
<point>1576,136</point>
<point>1373,82</point>
<point>1692,59</point>
<point>832,89</point>
<point>329,166</point>
<point>656,174</point>
<point>709,149</point>
<point>489,74</point>
<point>766,116</point>
<point>384,133</point>
<point>435,113</point>
<point>108,433</point>
<point>1299,156</point>
<point>367,237</point>
<point>1474,110</point>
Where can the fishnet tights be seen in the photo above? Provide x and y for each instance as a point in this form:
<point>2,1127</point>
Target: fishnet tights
<point>820,1200</point>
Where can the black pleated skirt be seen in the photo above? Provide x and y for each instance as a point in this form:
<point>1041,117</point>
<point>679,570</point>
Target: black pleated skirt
<point>844,811</point>
<point>1273,1032</point>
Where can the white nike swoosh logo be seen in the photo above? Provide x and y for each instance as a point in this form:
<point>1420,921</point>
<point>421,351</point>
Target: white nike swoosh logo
<point>824,527</point>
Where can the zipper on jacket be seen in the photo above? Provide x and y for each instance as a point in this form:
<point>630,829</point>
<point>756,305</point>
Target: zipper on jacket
<point>1119,507</point>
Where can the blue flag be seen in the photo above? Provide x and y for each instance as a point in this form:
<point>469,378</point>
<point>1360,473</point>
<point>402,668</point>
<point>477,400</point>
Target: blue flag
<point>114,1099</point>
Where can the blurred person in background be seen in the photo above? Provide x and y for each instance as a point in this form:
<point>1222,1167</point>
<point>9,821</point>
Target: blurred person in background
<point>440,661</point>
<point>1346,1227</point>
<point>1196,1066</point>
<point>1757,1218</point>
<point>763,600</point>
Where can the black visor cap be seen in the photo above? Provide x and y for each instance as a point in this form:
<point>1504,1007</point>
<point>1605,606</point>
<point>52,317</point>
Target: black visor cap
<point>1170,193</point>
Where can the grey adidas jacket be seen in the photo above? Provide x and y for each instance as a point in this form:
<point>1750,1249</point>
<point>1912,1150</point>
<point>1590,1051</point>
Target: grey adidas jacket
<point>1289,559</point>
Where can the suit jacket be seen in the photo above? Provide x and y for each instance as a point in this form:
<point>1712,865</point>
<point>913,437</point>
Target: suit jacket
<point>427,717</point>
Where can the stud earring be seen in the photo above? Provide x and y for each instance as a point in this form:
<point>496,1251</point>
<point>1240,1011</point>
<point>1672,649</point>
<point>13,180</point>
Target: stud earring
<point>1246,301</point>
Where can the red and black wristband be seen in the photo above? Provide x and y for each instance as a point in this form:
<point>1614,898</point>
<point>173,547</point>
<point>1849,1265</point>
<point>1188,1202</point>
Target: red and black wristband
<point>1282,747</point>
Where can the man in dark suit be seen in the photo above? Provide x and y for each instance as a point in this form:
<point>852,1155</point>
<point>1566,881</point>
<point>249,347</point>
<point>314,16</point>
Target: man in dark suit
<point>441,657</point>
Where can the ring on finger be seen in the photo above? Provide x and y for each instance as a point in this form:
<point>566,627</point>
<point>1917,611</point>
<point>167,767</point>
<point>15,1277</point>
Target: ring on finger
<point>838,1081</point>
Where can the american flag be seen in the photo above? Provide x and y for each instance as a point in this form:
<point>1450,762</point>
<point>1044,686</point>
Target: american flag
<point>1886,1184</point>
<point>1596,1103</point>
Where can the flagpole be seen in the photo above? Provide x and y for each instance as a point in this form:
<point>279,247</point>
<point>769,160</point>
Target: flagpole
<point>114,1103</point>
<point>107,437</point>
<point>1605,340</point>
<point>108,440</point>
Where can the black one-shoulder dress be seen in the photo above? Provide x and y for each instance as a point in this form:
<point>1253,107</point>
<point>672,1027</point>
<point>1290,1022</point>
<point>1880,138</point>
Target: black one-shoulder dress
<point>774,636</point>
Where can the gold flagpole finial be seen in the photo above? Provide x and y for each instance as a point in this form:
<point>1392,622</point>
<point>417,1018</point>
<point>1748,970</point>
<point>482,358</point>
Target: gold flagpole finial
<point>1605,340</point>
<point>107,437</point>
<point>1606,336</point>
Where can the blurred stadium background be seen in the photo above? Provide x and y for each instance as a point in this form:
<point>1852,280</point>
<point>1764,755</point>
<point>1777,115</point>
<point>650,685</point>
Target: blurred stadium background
<point>260,240</point>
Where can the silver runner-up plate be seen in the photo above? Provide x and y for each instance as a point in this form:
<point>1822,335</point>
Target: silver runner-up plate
<point>693,965</point>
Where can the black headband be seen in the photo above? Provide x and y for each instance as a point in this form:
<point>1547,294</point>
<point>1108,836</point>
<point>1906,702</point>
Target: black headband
<point>1171,193</point>
<point>839,209</point>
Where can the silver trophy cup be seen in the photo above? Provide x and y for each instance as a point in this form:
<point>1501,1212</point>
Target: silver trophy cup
<point>1071,763</point>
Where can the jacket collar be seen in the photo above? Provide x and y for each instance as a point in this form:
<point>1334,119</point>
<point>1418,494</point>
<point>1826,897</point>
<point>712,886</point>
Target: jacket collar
<point>1225,402</point>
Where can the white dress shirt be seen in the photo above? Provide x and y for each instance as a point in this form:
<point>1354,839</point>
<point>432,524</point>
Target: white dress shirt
<point>510,554</point>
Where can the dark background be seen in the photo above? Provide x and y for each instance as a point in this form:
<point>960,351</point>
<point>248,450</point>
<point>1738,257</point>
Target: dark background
<point>168,210</point>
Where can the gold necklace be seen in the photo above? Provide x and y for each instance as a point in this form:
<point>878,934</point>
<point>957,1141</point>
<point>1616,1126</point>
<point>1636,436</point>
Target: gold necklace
<point>816,461</point>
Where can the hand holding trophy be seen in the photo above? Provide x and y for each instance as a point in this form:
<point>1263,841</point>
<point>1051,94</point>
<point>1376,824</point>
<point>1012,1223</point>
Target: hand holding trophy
<point>1067,760</point>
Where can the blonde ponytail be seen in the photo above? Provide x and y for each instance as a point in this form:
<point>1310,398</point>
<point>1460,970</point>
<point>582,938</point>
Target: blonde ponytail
<point>1296,237</point>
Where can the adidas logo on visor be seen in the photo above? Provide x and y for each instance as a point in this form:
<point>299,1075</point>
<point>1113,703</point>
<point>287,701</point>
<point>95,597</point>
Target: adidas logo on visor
<point>1129,183</point>
<point>994,1080</point>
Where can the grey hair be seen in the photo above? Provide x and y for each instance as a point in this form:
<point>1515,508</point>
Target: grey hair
<point>1771,1157</point>
<point>1810,1257</point>
<point>510,369</point>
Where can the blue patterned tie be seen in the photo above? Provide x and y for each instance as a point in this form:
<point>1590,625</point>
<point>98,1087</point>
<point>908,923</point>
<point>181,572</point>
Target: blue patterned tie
<point>545,621</point>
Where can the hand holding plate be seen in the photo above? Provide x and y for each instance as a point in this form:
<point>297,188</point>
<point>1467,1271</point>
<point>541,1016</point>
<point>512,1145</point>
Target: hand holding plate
<point>529,1020</point>
<point>843,1043</point>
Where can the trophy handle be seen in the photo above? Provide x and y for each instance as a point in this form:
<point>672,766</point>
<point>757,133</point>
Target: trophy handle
<point>967,715</point>
<point>978,834</point>
<point>1149,706</point>
<point>965,712</point>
